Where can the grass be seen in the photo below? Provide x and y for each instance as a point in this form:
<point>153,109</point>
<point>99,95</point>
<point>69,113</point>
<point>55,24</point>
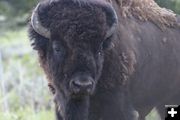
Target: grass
<point>153,115</point>
<point>14,37</point>
<point>23,88</point>
<point>27,114</point>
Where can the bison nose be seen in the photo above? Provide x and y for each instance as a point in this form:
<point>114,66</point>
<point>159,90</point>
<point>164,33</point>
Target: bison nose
<point>81,86</point>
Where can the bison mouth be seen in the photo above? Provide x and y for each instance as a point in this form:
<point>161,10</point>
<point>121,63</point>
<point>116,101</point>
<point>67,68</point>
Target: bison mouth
<point>73,108</point>
<point>77,109</point>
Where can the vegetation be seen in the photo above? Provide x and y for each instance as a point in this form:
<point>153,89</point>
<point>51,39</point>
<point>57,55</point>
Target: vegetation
<point>170,4</point>
<point>23,89</point>
<point>27,114</point>
<point>24,94</point>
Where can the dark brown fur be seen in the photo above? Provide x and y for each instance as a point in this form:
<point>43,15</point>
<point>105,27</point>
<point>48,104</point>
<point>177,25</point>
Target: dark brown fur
<point>134,70</point>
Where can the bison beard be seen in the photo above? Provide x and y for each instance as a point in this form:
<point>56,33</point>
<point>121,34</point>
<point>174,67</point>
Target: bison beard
<point>76,109</point>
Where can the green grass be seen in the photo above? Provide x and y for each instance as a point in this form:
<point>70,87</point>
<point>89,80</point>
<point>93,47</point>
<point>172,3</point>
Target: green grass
<point>26,95</point>
<point>27,114</point>
<point>153,115</point>
<point>14,37</point>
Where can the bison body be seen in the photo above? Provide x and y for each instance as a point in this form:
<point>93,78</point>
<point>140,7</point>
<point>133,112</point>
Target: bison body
<point>107,61</point>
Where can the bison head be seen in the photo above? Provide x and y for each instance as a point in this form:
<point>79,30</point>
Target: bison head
<point>71,38</point>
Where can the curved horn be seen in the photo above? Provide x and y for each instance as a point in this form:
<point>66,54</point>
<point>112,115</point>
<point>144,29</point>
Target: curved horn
<point>112,20</point>
<point>37,25</point>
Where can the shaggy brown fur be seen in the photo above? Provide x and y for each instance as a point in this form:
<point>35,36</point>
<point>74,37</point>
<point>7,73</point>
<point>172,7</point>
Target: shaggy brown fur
<point>95,75</point>
<point>147,10</point>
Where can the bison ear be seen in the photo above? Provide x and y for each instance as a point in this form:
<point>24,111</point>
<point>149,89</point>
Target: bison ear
<point>111,18</point>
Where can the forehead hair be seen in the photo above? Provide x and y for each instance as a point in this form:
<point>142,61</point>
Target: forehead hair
<point>74,21</point>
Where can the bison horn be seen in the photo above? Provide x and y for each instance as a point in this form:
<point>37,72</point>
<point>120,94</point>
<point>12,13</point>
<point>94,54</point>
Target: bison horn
<point>111,19</point>
<point>35,22</point>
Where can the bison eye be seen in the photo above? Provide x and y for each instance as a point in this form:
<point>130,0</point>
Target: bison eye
<point>57,47</point>
<point>107,43</point>
<point>58,51</point>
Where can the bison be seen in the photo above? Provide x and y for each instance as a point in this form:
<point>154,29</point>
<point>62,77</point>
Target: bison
<point>108,59</point>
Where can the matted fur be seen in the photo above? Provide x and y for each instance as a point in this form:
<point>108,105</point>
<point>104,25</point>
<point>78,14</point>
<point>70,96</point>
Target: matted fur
<point>147,10</point>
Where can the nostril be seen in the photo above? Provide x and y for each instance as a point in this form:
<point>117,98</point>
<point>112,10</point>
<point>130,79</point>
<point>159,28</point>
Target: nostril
<point>81,85</point>
<point>74,87</point>
<point>75,84</point>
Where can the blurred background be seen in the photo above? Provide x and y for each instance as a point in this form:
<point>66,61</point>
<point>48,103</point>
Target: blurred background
<point>24,93</point>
